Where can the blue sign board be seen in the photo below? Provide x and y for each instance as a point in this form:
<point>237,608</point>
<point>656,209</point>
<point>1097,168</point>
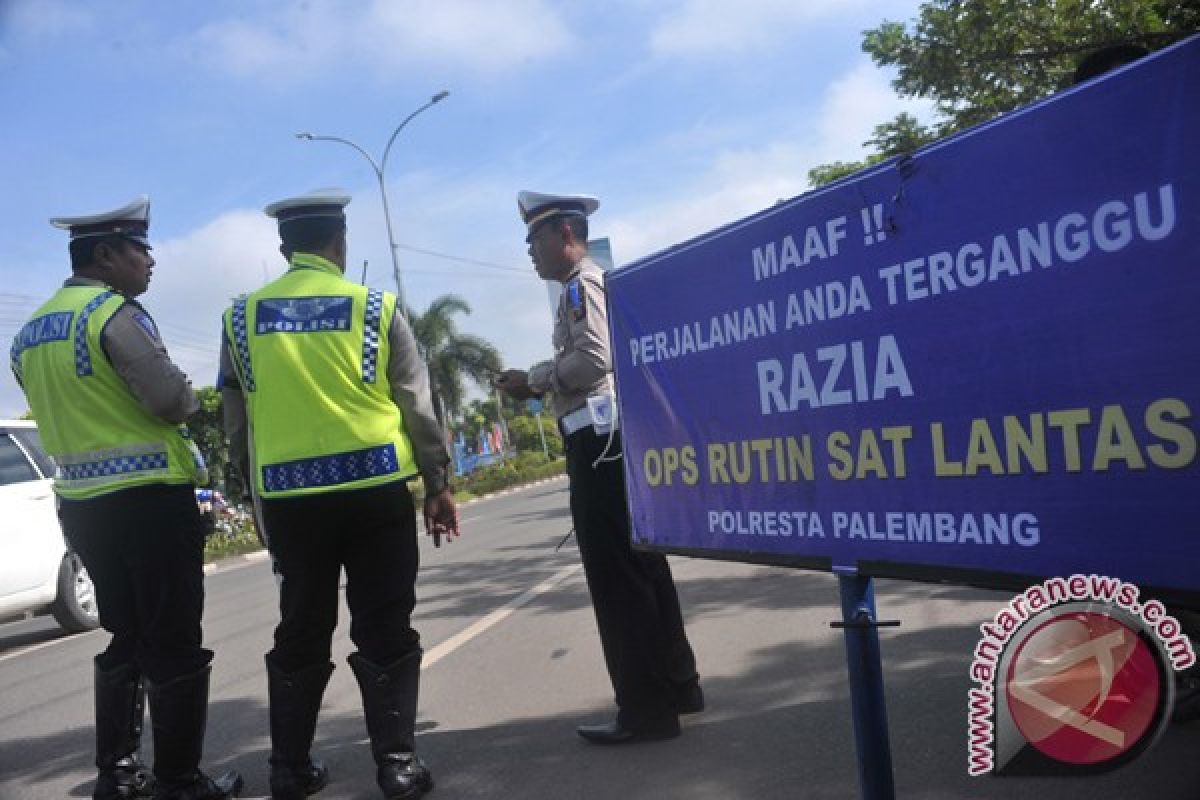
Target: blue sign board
<point>978,363</point>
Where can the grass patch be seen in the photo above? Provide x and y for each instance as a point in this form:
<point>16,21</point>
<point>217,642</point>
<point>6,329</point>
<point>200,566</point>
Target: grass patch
<point>233,537</point>
<point>525,468</point>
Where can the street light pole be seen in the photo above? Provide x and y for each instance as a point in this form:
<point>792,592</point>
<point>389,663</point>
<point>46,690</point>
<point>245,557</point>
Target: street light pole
<point>379,168</point>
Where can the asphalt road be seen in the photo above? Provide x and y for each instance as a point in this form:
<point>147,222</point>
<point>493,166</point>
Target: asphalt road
<point>513,664</point>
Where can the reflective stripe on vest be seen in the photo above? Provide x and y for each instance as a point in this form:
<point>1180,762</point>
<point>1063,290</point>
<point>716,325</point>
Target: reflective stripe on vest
<point>90,469</point>
<point>83,355</point>
<point>371,324</point>
<point>308,473</point>
<point>242,343</point>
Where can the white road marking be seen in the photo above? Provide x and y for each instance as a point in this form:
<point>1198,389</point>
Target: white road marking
<point>43,645</point>
<point>437,653</point>
<point>431,657</point>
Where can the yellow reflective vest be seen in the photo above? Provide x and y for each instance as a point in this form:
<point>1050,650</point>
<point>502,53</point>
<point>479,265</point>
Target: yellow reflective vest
<point>100,436</point>
<point>311,351</point>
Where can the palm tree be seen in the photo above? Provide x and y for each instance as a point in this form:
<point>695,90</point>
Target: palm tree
<point>451,355</point>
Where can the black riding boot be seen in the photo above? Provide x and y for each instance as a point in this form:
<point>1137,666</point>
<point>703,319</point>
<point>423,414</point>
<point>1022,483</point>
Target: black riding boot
<point>390,706</point>
<point>120,703</point>
<point>178,715</point>
<point>295,699</point>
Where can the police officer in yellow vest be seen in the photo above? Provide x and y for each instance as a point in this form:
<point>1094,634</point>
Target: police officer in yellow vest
<point>323,380</point>
<point>646,649</point>
<point>109,404</point>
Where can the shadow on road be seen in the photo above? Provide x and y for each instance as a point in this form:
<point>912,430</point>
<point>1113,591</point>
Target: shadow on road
<point>778,724</point>
<point>779,728</point>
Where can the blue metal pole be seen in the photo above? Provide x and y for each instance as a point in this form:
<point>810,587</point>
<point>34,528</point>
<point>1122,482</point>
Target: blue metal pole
<point>866,684</point>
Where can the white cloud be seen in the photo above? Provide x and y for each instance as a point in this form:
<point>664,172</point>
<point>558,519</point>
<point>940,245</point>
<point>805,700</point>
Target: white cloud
<point>484,34</point>
<point>509,309</point>
<point>742,181</point>
<point>197,275</point>
<point>244,48</point>
<point>44,18</point>
<point>707,27</point>
<point>195,278</point>
<point>853,105</point>
<point>439,35</point>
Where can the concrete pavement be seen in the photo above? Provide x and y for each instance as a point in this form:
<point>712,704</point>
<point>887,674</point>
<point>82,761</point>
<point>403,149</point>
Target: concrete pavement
<point>500,702</point>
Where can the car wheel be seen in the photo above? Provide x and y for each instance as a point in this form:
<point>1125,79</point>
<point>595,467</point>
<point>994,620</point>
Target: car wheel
<point>75,608</point>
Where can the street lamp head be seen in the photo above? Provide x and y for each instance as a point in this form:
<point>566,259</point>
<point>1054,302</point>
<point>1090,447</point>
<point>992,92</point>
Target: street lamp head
<point>379,171</point>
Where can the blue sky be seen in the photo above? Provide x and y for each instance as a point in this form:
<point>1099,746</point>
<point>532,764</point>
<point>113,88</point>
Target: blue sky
<point>680,115</point>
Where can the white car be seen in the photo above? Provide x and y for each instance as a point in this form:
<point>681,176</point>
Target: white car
<point>38,571</point>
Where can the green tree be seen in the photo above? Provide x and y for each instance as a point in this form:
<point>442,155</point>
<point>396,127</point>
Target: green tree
<point>828,173</point>
<point>452,356</point>
<point>207,427</point>
<point>525,438</point>
<point>902,135</point>
<point>976,59</point>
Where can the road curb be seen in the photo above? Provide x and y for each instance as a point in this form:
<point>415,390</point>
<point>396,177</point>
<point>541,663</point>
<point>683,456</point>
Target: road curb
<point>245,558</point>
<point>262,555</point>
<point>513,489</point>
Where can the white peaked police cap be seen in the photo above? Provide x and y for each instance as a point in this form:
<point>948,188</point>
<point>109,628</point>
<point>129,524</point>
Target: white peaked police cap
<point>131,221</point>
<point>317,203</point>
<point>537,207</point>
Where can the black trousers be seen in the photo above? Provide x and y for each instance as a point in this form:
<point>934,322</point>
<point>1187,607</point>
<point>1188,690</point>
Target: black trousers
<point>372,533</point>
<point>144,550</point>
<point>633,594</point>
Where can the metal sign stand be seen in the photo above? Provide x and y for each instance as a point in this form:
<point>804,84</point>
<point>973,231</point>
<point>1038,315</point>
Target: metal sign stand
<point>865,669</point>
<point>535,407</point>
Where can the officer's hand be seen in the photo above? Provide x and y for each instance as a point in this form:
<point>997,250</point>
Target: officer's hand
<point>514,383</point>
<point>441,517</point>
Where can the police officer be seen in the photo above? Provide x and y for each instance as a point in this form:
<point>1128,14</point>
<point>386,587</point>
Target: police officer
<point>109,405</point>
<point>649,659</point>
<point>327,375</point>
